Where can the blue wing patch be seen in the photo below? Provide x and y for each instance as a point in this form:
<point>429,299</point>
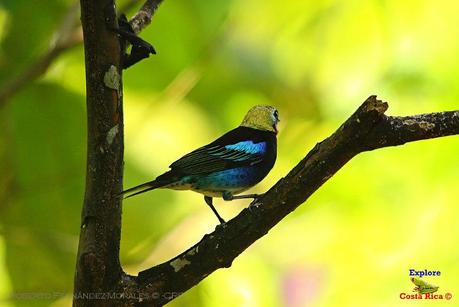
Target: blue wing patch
<point>248,147</point>
<point>217,158</point>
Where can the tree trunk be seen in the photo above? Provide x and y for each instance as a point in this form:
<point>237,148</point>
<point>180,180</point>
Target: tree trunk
<point>98,270</point>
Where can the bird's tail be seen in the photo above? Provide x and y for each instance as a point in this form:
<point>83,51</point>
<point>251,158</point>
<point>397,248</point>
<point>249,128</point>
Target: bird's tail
<point>159,182</point>
<point>145,187</point>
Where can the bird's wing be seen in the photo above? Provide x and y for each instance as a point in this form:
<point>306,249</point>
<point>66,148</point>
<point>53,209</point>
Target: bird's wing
<point>218,157</point>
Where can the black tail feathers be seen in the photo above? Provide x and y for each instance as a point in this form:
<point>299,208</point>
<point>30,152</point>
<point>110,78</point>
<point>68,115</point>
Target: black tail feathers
<point>159,182</point>
<point>145,187</point>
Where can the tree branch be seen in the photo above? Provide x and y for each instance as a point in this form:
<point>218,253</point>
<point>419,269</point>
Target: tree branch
<point>98,269</point>
<point>367,129</point>
<point>99,278</point>
<point>144,15</point>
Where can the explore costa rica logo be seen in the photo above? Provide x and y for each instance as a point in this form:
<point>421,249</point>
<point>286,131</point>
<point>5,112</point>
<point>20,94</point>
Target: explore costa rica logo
<point>424,289</point>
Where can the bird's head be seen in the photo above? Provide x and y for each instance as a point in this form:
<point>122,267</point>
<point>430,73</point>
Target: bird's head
<point>262,118</point>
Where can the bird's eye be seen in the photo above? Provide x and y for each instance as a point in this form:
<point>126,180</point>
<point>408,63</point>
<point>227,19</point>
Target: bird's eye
<point>276,114</point>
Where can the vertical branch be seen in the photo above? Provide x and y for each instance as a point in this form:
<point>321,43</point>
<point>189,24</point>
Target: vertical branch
<point>98,269</point>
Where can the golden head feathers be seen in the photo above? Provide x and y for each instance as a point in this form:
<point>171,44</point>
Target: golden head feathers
<point>262,117</point>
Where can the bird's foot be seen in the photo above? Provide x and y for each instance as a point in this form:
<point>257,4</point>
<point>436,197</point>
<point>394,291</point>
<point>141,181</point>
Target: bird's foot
<point>140,49</point>
<point>258,197</point>
<point>222,221</point>
<point>220,226</point>
<point>254,205</point>
<point>229,196</point>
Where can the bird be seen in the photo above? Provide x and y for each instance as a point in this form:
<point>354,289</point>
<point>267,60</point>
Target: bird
<point>230,165</point>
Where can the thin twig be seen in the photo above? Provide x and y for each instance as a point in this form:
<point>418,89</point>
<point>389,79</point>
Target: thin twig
<point>144,15</point>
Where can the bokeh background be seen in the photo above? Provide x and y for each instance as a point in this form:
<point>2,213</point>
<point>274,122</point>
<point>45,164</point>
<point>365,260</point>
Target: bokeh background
<point>351,244</point>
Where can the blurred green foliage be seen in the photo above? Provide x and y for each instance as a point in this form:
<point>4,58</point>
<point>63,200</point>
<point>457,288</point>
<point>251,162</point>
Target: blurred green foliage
<point>354,241</point>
